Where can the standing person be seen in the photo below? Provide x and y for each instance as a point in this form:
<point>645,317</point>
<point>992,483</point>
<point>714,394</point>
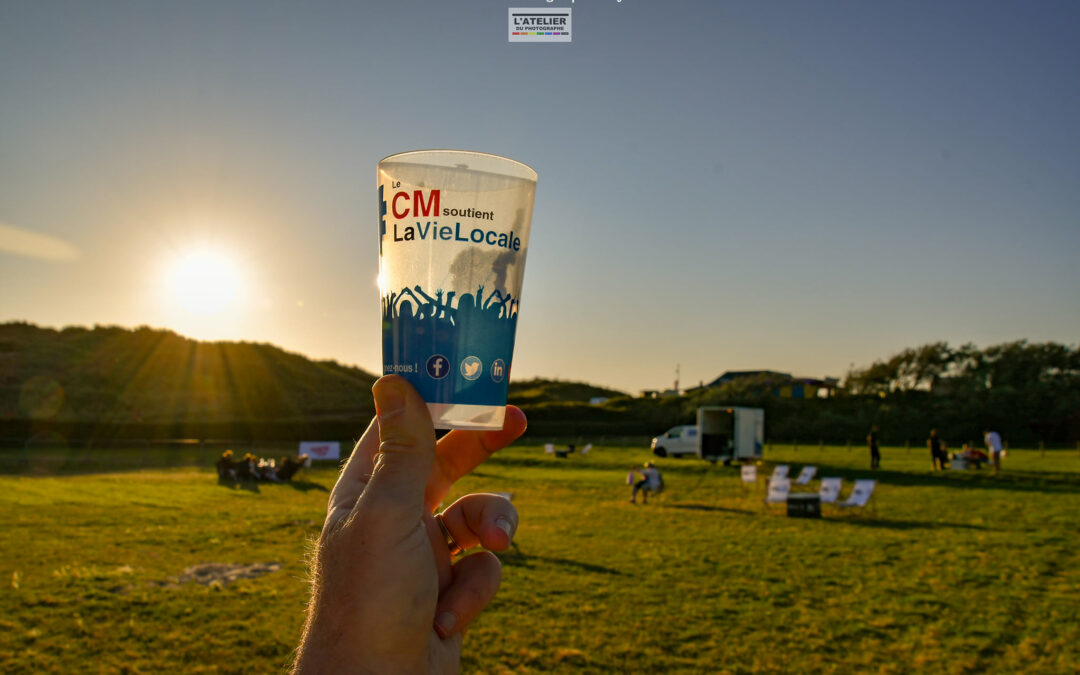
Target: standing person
<point>993,446</point>
<point>937,453</point>
<point>875,453</point>
<point>650,482</point>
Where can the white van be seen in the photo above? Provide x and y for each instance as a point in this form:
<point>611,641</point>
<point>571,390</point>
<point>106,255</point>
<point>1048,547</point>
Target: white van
<point>677,441</point>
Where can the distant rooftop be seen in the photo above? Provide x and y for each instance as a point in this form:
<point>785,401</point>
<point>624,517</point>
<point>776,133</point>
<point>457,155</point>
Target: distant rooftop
<point>732,375</point>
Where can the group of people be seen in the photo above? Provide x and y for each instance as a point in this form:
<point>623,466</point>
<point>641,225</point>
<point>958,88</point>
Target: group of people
<point>253,468</point>
<point>940,458</point>
<point>939,455</point>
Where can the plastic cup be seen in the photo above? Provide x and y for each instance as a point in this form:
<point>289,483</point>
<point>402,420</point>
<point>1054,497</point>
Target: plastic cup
<point>453,234</point>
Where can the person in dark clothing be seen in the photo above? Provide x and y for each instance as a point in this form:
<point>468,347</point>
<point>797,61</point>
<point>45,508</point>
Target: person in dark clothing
<point>245,468</point>
<point>875,453</point>
<point>225,470</point>
<point>937,451</point>
<point>288,467</point>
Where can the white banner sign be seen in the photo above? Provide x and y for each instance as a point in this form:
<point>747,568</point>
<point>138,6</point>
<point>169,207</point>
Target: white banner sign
<point>321,449</point>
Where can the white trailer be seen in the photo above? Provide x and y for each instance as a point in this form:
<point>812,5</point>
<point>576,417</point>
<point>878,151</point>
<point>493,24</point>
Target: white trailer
<point>722,433</point>
<point>729,433</point>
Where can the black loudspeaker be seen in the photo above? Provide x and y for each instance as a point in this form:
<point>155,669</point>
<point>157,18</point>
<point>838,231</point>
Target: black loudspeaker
<point>804,506</point>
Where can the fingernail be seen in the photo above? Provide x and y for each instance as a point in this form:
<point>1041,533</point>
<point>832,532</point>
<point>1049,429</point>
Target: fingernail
<point>389,397</point>
<point>445,622</point>
<point>504,525</point>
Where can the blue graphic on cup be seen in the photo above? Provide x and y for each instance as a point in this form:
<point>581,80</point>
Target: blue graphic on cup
<point>471,367</point>
<point>419,327</point>
<point>438,367</point>
<point>498,370</point>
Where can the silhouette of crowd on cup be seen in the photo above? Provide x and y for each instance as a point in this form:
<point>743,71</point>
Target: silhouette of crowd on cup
<point>253,468</point>
<point>419,324</point>
<point>497,305</point>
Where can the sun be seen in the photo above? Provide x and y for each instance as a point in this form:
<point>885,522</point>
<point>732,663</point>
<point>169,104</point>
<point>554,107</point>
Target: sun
<point>204,282</point>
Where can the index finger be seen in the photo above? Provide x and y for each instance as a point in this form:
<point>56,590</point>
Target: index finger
<point>459,452</point>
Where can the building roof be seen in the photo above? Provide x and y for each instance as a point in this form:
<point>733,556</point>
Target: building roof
<point>732,375</point>
<point>782,378</point>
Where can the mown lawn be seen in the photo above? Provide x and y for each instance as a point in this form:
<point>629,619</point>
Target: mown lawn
<point>956,572</point>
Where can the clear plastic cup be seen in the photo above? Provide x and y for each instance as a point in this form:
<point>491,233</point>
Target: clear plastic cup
<point>453,234</point>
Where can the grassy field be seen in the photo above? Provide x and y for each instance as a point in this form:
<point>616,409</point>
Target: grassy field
<point>956,572</point>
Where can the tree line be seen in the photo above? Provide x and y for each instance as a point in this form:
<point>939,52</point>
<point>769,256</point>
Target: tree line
<point>1028,392</point>
<point>82,385</point>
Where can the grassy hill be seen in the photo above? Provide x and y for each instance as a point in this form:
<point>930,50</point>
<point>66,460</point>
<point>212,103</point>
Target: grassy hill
<point>536,391</point>
<point>109,382</point>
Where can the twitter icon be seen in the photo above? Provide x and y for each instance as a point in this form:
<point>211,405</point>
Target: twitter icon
<point>470,368</point>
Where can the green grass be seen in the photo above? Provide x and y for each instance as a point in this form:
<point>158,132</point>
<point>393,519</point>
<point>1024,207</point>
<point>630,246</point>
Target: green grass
<point>957,572</point>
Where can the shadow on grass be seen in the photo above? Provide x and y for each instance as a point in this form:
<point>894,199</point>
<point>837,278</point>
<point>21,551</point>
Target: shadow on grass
<point>1019,481</point>
<point>250,486</point>
<point>862,519</point>
<point>519,559</point>
<point>253,486</point>
<point>865,520</point>
<point>307,486</point>
<point>709,507</point>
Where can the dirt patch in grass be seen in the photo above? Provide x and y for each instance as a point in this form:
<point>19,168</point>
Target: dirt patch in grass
<point>225,573</point>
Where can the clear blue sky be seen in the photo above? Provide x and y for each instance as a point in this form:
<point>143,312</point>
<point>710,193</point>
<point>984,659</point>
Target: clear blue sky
<point>724,185</point>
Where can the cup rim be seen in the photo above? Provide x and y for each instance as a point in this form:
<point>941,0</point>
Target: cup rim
<point>514,169</point>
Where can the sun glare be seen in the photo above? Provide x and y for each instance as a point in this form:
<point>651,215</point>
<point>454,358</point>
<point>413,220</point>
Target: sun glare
<point>204,282</point>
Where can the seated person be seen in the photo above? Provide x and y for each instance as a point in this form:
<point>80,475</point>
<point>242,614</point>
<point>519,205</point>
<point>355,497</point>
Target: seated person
<point>974,455</point>
<point>225,470</point>
<point>245,468</point>
<point>651,481</point>
<point>288,467</point>
<point>265,470</point>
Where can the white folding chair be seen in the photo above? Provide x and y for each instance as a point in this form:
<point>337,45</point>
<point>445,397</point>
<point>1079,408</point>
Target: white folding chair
<point>749,474</point>
<point>780,471</point>
<point>779,489</point>
<point>860,494</point>
<point>549,448</point>
<point>586,449</point>
<point>806,475</point>
<point>829,490</point>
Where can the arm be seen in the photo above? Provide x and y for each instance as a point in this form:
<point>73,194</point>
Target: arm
<point>427,298</point>
<point>411,294</point>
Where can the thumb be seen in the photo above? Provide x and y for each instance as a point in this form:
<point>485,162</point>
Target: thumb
<point>406,453</point>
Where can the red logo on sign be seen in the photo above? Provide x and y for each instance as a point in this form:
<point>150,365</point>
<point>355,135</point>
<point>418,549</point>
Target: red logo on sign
<point>418,207</point>
<point>320,450</point>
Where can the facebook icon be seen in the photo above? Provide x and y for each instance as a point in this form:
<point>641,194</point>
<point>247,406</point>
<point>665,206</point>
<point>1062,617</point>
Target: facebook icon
<point>437,366</point>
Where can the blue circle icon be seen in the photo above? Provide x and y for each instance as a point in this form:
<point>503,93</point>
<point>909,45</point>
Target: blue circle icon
<point>438,367</point>
<point>498,370</point>
<point>471,368</point>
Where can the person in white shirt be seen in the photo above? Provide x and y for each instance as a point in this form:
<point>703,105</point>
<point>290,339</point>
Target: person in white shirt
<point>993,446</point>
<point>650,482</point>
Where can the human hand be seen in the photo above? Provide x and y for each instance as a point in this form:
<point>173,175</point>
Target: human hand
<point>386,597</point>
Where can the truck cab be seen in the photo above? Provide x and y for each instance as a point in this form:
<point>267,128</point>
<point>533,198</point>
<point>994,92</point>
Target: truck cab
<point>676,441</point>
